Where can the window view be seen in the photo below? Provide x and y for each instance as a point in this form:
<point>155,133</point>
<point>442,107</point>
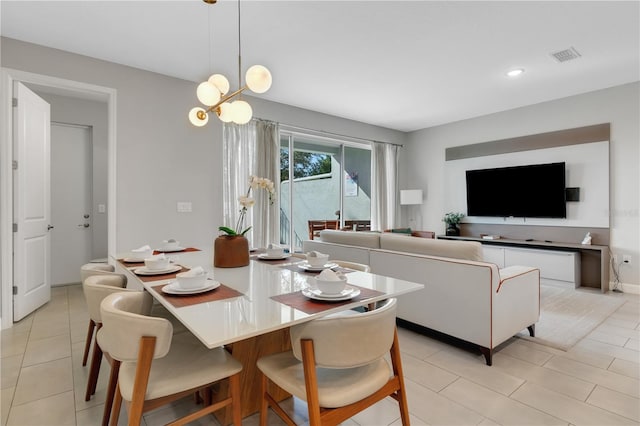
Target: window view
<point>325,184</point>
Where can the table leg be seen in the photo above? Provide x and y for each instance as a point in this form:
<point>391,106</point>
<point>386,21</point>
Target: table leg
<point>248,352</point>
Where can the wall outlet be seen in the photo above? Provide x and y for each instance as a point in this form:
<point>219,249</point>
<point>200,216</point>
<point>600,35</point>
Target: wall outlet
<point>626,259</point>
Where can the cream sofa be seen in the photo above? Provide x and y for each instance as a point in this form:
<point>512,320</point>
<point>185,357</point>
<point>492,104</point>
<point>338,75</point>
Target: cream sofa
<point>463,297</point>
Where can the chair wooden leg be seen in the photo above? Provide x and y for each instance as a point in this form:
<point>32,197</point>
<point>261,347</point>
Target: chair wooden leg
<point>111,391</point>
<point>234,390</point>
<point>117,404</point>
<point>311,381</point>
<point>396,362</point>
<point>87,345</point>
<point>94,371</point>
<point>264,401</point>
<point>143,369</point>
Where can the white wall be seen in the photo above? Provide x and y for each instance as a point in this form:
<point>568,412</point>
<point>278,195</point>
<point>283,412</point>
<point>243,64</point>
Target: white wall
<point>423,160</point>
<point>161,157</point>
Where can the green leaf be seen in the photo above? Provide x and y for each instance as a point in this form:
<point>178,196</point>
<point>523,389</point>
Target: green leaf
<point>245,231</point>
<point>227,230</point>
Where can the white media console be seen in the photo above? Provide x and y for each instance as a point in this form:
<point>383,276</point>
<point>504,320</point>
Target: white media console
<point>566,264</point>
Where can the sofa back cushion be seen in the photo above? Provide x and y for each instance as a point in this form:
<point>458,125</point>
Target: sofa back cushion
<point>466,250</point>
<point>351,238</point>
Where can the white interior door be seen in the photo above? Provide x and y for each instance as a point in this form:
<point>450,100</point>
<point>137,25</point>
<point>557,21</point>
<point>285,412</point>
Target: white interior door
<point>32,203</point>
<point>71,200</point>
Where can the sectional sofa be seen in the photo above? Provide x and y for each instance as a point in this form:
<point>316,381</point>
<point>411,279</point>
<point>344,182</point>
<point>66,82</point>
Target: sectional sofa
<point>464,297</point>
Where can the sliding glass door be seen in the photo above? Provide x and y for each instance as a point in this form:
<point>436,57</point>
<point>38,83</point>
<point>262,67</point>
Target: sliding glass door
<point>324,184</point>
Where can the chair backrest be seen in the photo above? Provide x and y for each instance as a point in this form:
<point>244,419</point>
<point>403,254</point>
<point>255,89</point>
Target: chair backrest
<point>91,269</point>
<point>124,323</point>
<point>348,341</point>
<point>97,287</point>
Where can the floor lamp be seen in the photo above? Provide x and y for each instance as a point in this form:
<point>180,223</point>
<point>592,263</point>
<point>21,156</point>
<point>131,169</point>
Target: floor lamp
<point>411,197</point>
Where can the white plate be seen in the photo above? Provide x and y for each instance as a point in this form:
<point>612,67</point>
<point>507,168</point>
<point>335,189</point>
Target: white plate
<point>173,288</point>
<point>265,256</point>
<point>144,271</point>
<point>169,250</point>
<point>307,267</point>
<point>133,260</point>
<point>346,294</point>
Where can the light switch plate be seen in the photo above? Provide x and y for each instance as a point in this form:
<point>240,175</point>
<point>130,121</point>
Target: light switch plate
<point>102,208</point>
<point>184,206</point>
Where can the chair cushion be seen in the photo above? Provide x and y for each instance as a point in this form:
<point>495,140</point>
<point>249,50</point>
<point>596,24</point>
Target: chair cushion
<point>336,387</point>
<point>188,365</point>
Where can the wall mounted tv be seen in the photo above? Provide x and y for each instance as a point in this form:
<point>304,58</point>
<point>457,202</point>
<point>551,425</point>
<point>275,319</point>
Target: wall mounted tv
<point>532,191</point>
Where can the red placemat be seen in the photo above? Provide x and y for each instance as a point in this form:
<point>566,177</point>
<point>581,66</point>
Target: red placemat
<point>147,278</point>
<point>179,251</point>
<point>220,293</point>
<point>309,306</point>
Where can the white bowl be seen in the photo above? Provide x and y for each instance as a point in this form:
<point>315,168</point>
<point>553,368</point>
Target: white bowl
<point>317,261</point>
<point>170,244</point>
<point>154,264</point>
<point>331,287</point>
<point>190,282</point>
<point>275,252</point>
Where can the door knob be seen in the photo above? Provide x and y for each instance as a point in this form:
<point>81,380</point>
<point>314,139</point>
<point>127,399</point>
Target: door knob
<point>49,227</point>
<point>82,225</point>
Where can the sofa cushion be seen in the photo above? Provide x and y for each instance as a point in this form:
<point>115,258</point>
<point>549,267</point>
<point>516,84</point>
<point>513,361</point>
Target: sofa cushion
<point>467,250</point>
<point>351,238</point>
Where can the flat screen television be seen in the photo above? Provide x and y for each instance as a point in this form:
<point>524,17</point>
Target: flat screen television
<point>534,191</point>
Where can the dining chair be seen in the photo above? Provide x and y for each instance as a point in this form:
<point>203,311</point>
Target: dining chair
<point>96,288</point>
<point>157,366</point>
<point>338,366</point>
<point>88,270</point>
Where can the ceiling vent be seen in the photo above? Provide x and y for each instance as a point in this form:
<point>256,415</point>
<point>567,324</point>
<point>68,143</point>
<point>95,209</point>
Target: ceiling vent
<point>566,55</point>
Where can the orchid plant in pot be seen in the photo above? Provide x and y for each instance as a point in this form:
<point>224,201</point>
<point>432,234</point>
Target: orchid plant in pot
<point>231,248</point>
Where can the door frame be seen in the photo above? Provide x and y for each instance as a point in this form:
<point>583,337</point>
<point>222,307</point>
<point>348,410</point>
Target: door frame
<point>63,87</point>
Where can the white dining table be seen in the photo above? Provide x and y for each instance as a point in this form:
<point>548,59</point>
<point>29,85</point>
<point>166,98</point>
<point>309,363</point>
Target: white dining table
<point>254,312</point>
<point>255,321</point>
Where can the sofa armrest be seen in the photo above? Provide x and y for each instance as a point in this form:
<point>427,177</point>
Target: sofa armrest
<point>511,272</point>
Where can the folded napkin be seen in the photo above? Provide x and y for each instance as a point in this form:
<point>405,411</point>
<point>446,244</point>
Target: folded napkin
<point>274,246</point>
<point>170,241</point>
<point>142,249</point>
<point>157,256</point>
<point>316,254</point>
<point>193,272</point>
<point>329,275</point>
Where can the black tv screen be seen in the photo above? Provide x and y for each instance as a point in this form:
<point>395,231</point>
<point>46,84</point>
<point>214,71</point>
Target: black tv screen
<point>535,191</point>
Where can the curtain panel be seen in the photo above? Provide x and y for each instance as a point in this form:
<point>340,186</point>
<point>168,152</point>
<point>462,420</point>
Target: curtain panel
<point>251,149</point>
<point>384,185</point>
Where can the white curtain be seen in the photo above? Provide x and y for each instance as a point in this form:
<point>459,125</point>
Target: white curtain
<point>384,186</point>
<point>252,149</point>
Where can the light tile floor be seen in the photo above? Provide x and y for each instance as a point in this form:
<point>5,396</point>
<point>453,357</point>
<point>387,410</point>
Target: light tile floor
<point>594,383</point>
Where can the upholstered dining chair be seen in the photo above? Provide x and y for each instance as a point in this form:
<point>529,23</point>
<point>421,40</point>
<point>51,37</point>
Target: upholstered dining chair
<point>88,270</point>
<point>96,288</point>
<point>338,366</point>
<point>157,366</point>
<point>352,265</point>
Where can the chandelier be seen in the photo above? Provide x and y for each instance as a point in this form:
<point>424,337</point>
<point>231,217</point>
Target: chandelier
<point>214,93</point>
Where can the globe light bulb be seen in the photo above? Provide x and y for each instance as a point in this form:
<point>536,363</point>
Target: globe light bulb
<point>258,79</point>
<point>221,82</point>
<point>241,112</point>
<point>198,116</point>
<point>207,93</point>
<point>225,112</point>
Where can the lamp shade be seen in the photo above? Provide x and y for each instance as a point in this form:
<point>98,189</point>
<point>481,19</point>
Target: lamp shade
<point>410,196</point>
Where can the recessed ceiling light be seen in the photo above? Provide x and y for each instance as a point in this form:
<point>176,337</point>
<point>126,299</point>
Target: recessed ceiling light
<point>515,72</point>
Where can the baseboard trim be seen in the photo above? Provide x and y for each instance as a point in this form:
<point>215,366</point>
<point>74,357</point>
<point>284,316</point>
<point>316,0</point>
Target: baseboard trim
<point>626,287</point>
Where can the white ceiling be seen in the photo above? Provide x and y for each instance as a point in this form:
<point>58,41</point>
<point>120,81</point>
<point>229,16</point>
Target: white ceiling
<point>400,65</point>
